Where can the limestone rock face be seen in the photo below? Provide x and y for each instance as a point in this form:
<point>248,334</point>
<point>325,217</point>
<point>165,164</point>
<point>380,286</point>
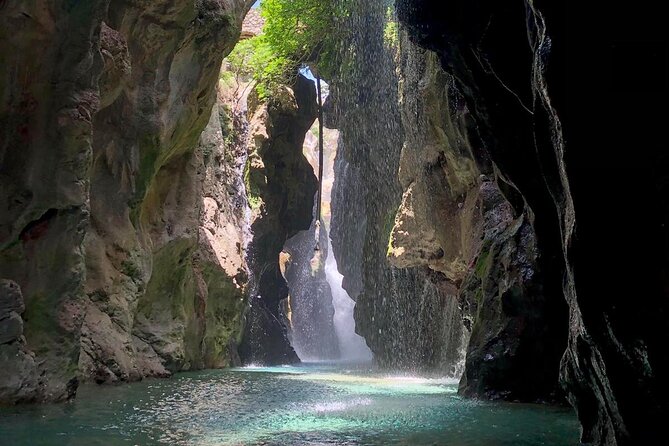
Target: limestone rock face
<point>436,244</point>
<point>165,269</point>
<point>382,206</point>
<point>456,220</point>
<point>553,115</point>
<point>121,227</point>
<point>281,187</point>
<point>19,381</point>
<point>49,66</point>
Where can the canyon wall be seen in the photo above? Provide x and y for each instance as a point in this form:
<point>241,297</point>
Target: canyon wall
<point>456,220</point>
<point>557,118</point>
<point>115,225</point>
<point>312,333</point>
<point>281,186</point>
<point>436,245</point>
<point>405,311</point>
<point>500,201</point>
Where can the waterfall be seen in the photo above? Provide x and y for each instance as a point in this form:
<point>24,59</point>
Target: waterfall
<point>352,347</point>
<point>322,326</point>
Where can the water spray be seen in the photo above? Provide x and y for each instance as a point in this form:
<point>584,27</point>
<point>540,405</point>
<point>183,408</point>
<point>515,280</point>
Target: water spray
<point>320,163</point>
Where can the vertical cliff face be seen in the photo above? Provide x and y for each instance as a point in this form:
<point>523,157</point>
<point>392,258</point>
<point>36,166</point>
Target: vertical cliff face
<point>165,238</point>
<point>404,310</point>
<point>537,94</point>
<point>46,139</point>
<point>615,367</point>
<point>19,378</point>
<point>281,186</point>
<point>456,221</point>
<point>112,225</point>
<point>435,242</point>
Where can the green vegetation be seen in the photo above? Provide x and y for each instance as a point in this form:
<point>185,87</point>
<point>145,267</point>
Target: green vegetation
<point>299,33</point>
<point>391,30</point>
<point>483,262</point>
<point>253,190</point>
<point>241,59</point>
<point>296,33</point>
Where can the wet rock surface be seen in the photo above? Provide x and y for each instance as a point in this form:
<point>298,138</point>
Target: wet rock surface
<point>545,110</point>
<point>103,186</point>
<point>408,314</point>
<point>311,310</point>
<point>281,187</point>
<point>19,381</point>
<point>435,243</point>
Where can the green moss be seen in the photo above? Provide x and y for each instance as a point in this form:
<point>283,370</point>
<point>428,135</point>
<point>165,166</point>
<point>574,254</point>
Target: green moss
<point>40,323</point>
<point>478,296</point>
<point>224,315</point>
<point>391,30</point>
<point>130,268</point>
<point>149,149</point>
<point>388,225</point>
<point>255,202</point>
<point>170,304</point>
<point>206,325</point>
<point>172,283</point>
<point>482,263</point>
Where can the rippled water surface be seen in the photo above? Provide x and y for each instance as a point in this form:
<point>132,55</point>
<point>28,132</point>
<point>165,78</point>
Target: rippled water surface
<point>307,405</point>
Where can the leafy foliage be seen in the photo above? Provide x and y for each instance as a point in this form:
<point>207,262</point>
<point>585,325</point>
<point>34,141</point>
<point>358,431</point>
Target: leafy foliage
<point>304,30</point>
<point>241,58</point>
<point>391,29</point>
<point>296,33</point>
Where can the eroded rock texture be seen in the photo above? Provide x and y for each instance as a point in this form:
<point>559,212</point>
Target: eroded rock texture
<point>312,333</point>
<point>455,220</point>
<point>19,379</point>
<point>435,243</point>
<point>114,223</point>
<point>165,234</point>
<point>554,114</point>
<point>281,187</point>
<point>408,314</point>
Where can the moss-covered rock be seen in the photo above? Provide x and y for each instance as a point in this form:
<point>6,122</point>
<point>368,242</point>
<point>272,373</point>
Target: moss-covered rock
<point>103,107</point>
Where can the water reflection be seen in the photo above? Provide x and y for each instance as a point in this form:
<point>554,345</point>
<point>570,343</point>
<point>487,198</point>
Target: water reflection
<point>307,405</point>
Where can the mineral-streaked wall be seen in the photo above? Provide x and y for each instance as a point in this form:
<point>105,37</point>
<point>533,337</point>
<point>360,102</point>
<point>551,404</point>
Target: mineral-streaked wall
<point>111,213</point>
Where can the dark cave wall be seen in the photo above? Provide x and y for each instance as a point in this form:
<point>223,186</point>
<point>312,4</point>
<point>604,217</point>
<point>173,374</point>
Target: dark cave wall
<point>572,119</point>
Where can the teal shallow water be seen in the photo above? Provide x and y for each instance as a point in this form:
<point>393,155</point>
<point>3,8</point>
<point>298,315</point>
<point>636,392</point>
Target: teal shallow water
<point>306,405</point>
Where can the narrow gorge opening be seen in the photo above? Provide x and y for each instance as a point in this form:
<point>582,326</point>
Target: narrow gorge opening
<point>321,322</point>
<point>164,226</point>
